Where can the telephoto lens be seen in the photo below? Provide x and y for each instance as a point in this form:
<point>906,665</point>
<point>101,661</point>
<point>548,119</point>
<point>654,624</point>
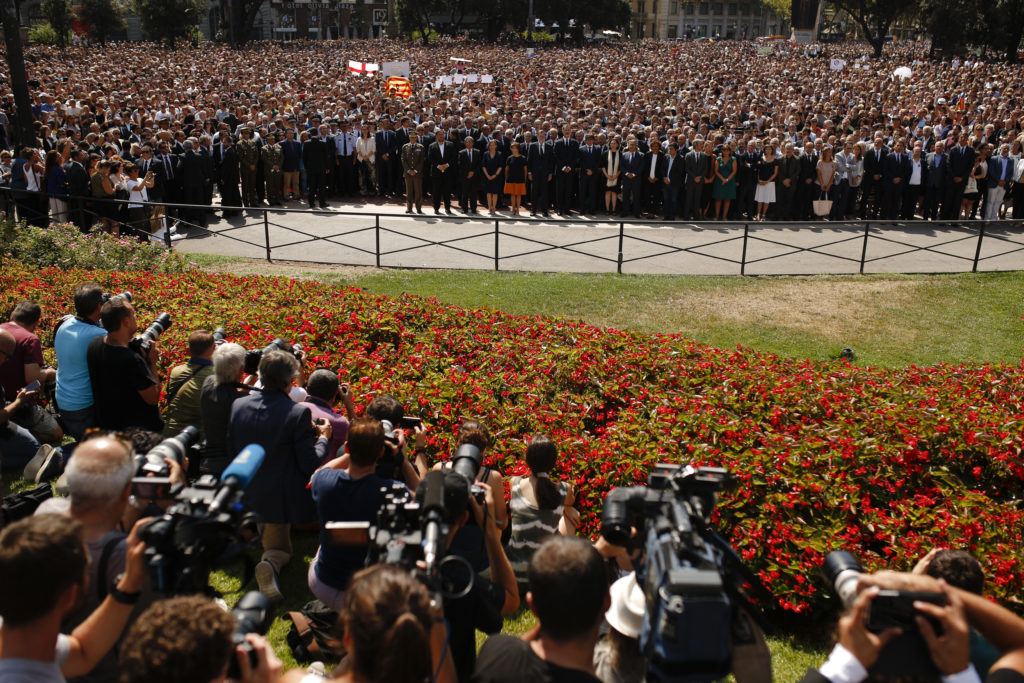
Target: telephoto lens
<point>159,326</point>
<point>842,570</point>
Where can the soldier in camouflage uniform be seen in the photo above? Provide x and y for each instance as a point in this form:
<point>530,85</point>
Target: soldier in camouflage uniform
<point>248,158</point>
<point>273,157</point>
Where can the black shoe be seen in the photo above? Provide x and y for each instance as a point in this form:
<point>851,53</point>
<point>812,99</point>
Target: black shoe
<point>324,206</point>
<point>438,212</point>
<point>449,212</point>
<point>419,210</point>
<point>408,210</point>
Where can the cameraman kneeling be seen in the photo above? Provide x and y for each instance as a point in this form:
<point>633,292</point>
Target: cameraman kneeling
<point>189,640</point>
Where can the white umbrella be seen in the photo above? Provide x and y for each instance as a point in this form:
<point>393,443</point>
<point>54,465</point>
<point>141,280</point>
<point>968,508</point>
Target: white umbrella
<point>903,72</point>
<point>459,59</point>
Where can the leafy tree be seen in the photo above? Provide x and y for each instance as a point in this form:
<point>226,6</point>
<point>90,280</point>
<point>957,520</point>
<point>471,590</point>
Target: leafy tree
<point>414,17</point>
<point>597,14</point>
<point>876,17</point>
<point>58,15</point>
<point>239,26</point>
<point>1004,27</point>
<point>104,17</point>
<point>168,21</point>
<point>952,24</point>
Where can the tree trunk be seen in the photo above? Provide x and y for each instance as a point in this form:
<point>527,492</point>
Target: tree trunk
<point>19,80</point>
<point>1013,44</point>
<point>878,42</point>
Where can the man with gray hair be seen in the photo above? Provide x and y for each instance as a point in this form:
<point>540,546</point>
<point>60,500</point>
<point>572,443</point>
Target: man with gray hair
<point>218,394</point>
<point>278,490</point>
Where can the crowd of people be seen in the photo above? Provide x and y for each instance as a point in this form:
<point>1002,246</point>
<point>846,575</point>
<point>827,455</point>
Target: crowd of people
<point>691,131</point>
<point>667,130</point>
<point>77,600</point>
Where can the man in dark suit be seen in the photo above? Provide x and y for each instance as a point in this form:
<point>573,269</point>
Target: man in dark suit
<point>895,174</point>
<point>442,159</point>
<point>786,184</point>
<point>540,166</point>
<point>871,185</point>
<point>192,169</point>
<point>167,179</point>
<point>805,194</point>
<point>696,165</point>
<point>205,151</point>
<point>936,180</point>
<point>228,177</point>
<point>632,167</point>
<point>747,159</point>
<point>78,190</point>
<point>590,175</point>
<point>295,447</point>
<point>652,187</point>
<point>566,160</point>
<point>317,158</point>
<point>470,162</point>
<point>961,161</point>
<point>387,154</point>
<point>672,180</point>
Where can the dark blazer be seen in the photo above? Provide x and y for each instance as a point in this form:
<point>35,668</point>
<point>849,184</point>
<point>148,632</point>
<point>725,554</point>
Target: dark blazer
<point>659,166</point>
<point>696,166</point>
<point>387,143</point>
<point>435,158</point>
<point>897,168</point>
<point>937,176</point>
<point>961,163</point>
<point>278,490</point>
<point>540,164</point>
<point>471,163</point>
<point>162,186</point>
<point>316,156</point>
<point>631,163</point>
<point>590,160</point>
<point>78,179</point>
<point>676,174</point>
<point>192,169</point>
<point>814,676</point>
<point>995,171</point>
<point>567,153</point>
<point>872,165</point>
<point>808,167</point>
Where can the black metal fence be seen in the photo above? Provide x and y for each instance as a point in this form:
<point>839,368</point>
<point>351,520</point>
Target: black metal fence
<point>368,237</point>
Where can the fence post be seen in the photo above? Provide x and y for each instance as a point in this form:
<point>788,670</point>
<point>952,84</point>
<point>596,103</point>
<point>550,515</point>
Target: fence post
<point>496,234</point>
<point>376,220</point>
<point>743,256</point>
<point>977,252</point>
<point>266,233</point>
<point>622,231</point>
<point>864,249</point>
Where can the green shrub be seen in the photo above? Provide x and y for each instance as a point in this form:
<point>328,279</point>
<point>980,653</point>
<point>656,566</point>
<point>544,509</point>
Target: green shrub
<point>62,245</point>
<point>44,34</point>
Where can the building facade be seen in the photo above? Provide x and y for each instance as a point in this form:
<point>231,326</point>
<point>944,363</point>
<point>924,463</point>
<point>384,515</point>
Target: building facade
<point>685,19</point>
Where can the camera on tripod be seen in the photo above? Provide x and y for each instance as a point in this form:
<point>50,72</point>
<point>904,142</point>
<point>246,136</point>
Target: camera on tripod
<point>253,356</point>
<point>152,480</point>
<point>689,574</point>
<point>206,527</point>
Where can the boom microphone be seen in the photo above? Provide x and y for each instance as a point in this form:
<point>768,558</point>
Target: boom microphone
<point>238,474</point>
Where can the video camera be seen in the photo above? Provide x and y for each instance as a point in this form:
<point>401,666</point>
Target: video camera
<point>689,574</point>
<point>905,655</point>
<point>153,463</point>
<point>206,527</point>
<point>411,534</point>
<point>253,356</point>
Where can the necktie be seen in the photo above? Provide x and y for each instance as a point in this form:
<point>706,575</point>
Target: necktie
<point>167,167</point>
<point>344,145</point>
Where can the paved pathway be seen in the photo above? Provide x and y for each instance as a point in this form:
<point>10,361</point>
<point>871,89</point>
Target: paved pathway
<point>349,234</point>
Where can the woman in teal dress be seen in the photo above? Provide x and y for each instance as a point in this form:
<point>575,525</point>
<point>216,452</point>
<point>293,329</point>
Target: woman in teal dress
<point>724,189</point>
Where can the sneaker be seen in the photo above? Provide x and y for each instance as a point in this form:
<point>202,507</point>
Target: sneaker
<point>174,229</point>
<point>266,579</point>
<point>317,669</point>
<point>177,237</point>
<point>45,465</point>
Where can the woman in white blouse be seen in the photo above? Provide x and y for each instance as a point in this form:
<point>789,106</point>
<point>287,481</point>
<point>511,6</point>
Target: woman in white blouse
<point>366,152</point>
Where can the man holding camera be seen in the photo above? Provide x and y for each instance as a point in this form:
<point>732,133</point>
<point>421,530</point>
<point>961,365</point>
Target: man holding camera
<point>71,342</point>
<point>24,367</point>
<point>294,447</point>
<point>322,393</point>
<point>124,380</point>
<point>185,385</point>
<point>43,571</point>
<point>17,444</point>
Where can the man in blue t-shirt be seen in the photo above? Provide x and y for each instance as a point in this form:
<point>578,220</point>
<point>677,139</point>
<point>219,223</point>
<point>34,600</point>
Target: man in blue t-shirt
<point>74,390</point>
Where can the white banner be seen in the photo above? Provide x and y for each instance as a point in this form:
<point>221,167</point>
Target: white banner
<point>837,64</point>
<point>389,69</point>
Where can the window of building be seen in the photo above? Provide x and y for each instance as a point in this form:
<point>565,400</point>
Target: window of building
<point>688,8</point>
<point>704,7</point>
<point>745,9</point>
<point>716,8</point>
<point>716,31</point>
<point>674,8</point>
<point>673,31</point>
<point>757,10</point>
<point>733,9</point>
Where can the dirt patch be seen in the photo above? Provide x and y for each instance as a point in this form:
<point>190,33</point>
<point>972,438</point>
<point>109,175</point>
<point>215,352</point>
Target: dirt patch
<point>820,306</point>
<point>293,269</point>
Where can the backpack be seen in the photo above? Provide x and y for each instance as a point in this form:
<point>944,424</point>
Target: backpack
<point>311,636</point>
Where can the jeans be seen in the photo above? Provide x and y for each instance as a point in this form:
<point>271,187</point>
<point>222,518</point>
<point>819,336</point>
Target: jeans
<point>77,421</point>
<point>17,446</point>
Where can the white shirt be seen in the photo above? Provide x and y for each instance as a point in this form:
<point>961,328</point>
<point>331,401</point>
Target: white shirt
<point>135,196</point>
<point>915,174</point>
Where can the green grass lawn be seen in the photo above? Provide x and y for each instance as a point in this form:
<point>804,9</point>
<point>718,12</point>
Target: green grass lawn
<point>890,320</point>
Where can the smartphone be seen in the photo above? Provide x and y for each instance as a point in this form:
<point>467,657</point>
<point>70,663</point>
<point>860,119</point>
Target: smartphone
<point>34,386</point>
<point>348,533</point>
<point>409,422</point>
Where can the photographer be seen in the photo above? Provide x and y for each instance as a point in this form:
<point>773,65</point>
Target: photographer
<point>24,367</point>
<point>124,381</point>
<point>43,571</point>
<point>352,493</point>
<point>189,640</point>
<point>219,392</point>
<point>185,384</point>
<point>568,593</point>
<point>390,409</point>
<point>99,486</point>
<point>71,342</point>
<point>323,391</point>
<point>294,447</point>
<point>17,444</point>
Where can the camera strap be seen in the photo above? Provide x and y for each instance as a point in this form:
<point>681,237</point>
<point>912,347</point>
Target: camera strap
<point>101,569</point>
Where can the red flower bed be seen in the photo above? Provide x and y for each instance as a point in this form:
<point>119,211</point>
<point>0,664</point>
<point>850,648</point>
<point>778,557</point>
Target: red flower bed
<point>884,463</point>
